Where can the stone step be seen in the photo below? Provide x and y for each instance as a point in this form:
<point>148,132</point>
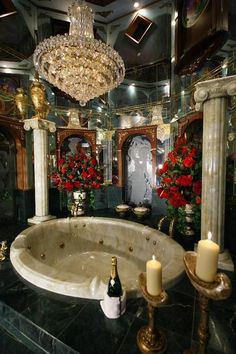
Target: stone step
<point>11,344</point>
<point>28,335</point>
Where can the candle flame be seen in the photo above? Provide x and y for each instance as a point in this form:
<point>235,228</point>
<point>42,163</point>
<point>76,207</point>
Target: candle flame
<point>153,257</point>
<point>209,235</point>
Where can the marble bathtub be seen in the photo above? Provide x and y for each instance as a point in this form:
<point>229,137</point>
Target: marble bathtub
<point>72,256</point>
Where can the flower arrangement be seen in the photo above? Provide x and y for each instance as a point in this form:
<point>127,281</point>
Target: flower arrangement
<point>180,182</point>
<point>78,172</point>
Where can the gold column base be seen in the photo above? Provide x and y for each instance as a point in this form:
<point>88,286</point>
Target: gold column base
<point>149,343</point>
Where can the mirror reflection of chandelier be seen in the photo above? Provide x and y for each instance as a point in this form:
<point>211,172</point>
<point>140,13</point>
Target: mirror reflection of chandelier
<point>78,64</point>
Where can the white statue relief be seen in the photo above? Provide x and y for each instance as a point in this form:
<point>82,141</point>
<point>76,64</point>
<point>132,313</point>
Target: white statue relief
<point>139,164</point>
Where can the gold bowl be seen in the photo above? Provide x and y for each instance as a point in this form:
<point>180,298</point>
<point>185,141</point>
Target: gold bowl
<point>140,212</point>
<point>122,209</point>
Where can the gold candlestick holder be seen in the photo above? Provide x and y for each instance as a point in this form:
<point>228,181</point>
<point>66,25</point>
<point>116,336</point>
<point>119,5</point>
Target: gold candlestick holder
<point>219,289</point>
<point>150,340</point>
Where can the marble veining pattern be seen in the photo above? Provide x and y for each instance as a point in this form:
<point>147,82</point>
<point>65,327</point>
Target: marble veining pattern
<point>211,96</point>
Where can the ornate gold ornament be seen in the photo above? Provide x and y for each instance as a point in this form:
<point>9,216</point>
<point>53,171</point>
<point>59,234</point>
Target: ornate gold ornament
<point>41,105</point>
<point>21,100</point>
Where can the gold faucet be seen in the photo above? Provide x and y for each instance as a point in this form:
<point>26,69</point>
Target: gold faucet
<point>3,250</point>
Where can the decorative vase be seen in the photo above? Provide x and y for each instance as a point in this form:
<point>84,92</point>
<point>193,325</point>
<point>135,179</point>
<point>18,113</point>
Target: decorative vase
<point>79,203</point>
<point>189,220</point>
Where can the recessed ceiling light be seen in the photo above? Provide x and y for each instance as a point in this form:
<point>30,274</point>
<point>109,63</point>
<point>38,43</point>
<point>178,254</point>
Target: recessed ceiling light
<point>136,4</point>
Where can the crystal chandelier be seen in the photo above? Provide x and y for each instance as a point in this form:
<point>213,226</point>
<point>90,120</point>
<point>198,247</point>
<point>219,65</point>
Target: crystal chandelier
<point>78,64</point>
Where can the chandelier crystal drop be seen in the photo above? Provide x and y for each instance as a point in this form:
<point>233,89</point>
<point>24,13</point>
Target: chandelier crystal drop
<point>78,64</point>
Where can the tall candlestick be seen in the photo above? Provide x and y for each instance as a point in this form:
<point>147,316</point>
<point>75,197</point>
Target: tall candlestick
<point>207,259</point>
<point>154,276</point>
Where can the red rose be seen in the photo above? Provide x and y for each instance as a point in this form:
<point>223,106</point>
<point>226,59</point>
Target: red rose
<point>193,152</point>
<point>92,171</point>
<point>185,180</point>
<point>61,161</point>
<point>185,150</point>
<point>95,185</point>
<point>164,168</point>
<point>189,162</point>
<point>63,170</point>
<point>71,164</point>
<point>162,193</point>
<point>93,161</point>
<point>172,156</point>
<point>77,184</point>
<point>167,180</point>
<point>84,175</point>
<point>174,189</point>
<point>177,200</point>
<point>68,186</point>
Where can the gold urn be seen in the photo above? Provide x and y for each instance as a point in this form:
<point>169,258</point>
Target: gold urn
<point>21,100</point>
<point>41,105</point>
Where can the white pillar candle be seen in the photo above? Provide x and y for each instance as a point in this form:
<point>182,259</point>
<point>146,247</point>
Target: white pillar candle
<point>207,259</point>
<point>154,276</point>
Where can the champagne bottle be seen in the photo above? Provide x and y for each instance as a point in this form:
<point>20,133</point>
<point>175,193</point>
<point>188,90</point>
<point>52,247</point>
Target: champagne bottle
<point>114,284</point>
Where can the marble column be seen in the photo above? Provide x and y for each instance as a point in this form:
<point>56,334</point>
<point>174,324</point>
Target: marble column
<point>107,156</point>
<point>40,135</point>
<point>212,98</point>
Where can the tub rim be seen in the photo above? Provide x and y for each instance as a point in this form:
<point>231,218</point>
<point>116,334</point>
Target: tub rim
<point>19,252</point>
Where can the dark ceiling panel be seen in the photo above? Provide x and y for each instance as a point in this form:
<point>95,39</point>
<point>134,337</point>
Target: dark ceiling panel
<point>101,2</point>
<point>14,34</point>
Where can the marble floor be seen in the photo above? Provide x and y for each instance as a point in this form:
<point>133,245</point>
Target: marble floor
<point>36,321</point>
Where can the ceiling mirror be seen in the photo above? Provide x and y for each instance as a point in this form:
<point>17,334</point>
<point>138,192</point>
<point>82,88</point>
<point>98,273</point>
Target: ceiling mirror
<point>138,28</point>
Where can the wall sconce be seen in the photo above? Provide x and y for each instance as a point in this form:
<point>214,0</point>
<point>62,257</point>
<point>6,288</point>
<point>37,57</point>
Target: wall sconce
<point>138,28</point>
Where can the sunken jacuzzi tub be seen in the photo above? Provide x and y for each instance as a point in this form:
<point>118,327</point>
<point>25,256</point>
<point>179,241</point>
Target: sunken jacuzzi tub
<point>72,256</point>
